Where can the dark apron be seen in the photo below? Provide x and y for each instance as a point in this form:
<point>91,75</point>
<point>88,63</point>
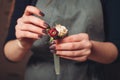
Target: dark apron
<point>79,16</point>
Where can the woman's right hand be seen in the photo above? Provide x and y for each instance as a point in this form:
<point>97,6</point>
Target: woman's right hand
<point>29,27</point>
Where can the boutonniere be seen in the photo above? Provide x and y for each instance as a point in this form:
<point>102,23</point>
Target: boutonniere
<point>57,32</point>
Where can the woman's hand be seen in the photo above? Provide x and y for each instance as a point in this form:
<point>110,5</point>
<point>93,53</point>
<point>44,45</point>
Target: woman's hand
<point>30,27</point>
<point>75,47</point>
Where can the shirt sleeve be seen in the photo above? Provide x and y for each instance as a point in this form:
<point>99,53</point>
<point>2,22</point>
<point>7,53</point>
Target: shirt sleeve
<point>17,13</point>
<point>111,11</point>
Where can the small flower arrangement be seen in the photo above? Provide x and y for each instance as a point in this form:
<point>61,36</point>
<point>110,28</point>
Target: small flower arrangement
<point>57,32</point>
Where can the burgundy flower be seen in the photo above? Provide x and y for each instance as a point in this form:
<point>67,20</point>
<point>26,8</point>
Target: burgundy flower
<point>53,32</point>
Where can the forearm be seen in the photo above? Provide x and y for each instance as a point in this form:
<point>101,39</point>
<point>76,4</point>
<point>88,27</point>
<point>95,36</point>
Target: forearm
<point>103,52</point>
<point>14,52</point>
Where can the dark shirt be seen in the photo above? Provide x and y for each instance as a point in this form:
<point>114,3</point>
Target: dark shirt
<point>111,22</point>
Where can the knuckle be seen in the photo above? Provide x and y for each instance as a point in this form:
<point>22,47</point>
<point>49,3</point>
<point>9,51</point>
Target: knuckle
<point>31,8</point>
<point>72,46</point>
<point>28,7</point>
<point>18,20</point>
<point>28,34</point>
<point>16,27</point>
<point>17,34</point>
<point>88,44</point>
<point>71,38</point>
<point>84,35</point>
<point>30,18</point>
<point>74,54</point>
<point>38,21</point>
<point>27,27</point>
<point>83,59</point>
<point>88,52</point>
<point>24,34</point>
<point>23,27</point>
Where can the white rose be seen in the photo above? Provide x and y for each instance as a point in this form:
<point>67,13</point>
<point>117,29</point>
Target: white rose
<point>62,30</point>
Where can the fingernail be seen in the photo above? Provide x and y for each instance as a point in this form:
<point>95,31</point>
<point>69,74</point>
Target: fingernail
<point>53,51</point>
<point>53,42</point>
<point>44,31</point>
<point>47,25</point>
<point>40,36</point>
<point>41,13</point>
<point>52,47</point>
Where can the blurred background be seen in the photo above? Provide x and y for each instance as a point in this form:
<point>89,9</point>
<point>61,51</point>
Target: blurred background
<point>8,70</point>
<point>15,71</point>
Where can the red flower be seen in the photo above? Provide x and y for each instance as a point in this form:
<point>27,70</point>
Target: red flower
<point>53,32</point>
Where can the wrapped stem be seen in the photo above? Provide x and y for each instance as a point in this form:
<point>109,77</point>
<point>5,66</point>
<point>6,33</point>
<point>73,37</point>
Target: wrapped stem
<point>56,64</point>
<point>56,61</point>
<point>57,32</point>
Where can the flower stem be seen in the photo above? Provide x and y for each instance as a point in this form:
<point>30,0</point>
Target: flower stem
<point>56,60</point>
<point>51,39</point>
<point>56,64</point>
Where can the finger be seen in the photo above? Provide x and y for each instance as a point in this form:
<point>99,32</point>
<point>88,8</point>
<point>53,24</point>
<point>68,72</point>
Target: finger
<point>81,59</point>
<point>32,10</point>
<point>77,53</point>
<point>69,46</point>
<point>33,20</point>
<point>27,34</point>
<point>73,45</point>
<point>32,28</point>
<point>75,38</point>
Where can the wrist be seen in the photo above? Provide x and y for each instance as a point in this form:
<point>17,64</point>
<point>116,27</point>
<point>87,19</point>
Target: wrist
<point>19,44</point>
<point>23,44</point>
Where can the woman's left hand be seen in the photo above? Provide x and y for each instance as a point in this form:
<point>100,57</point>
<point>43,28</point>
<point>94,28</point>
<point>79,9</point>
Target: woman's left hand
<point>75,47</point>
